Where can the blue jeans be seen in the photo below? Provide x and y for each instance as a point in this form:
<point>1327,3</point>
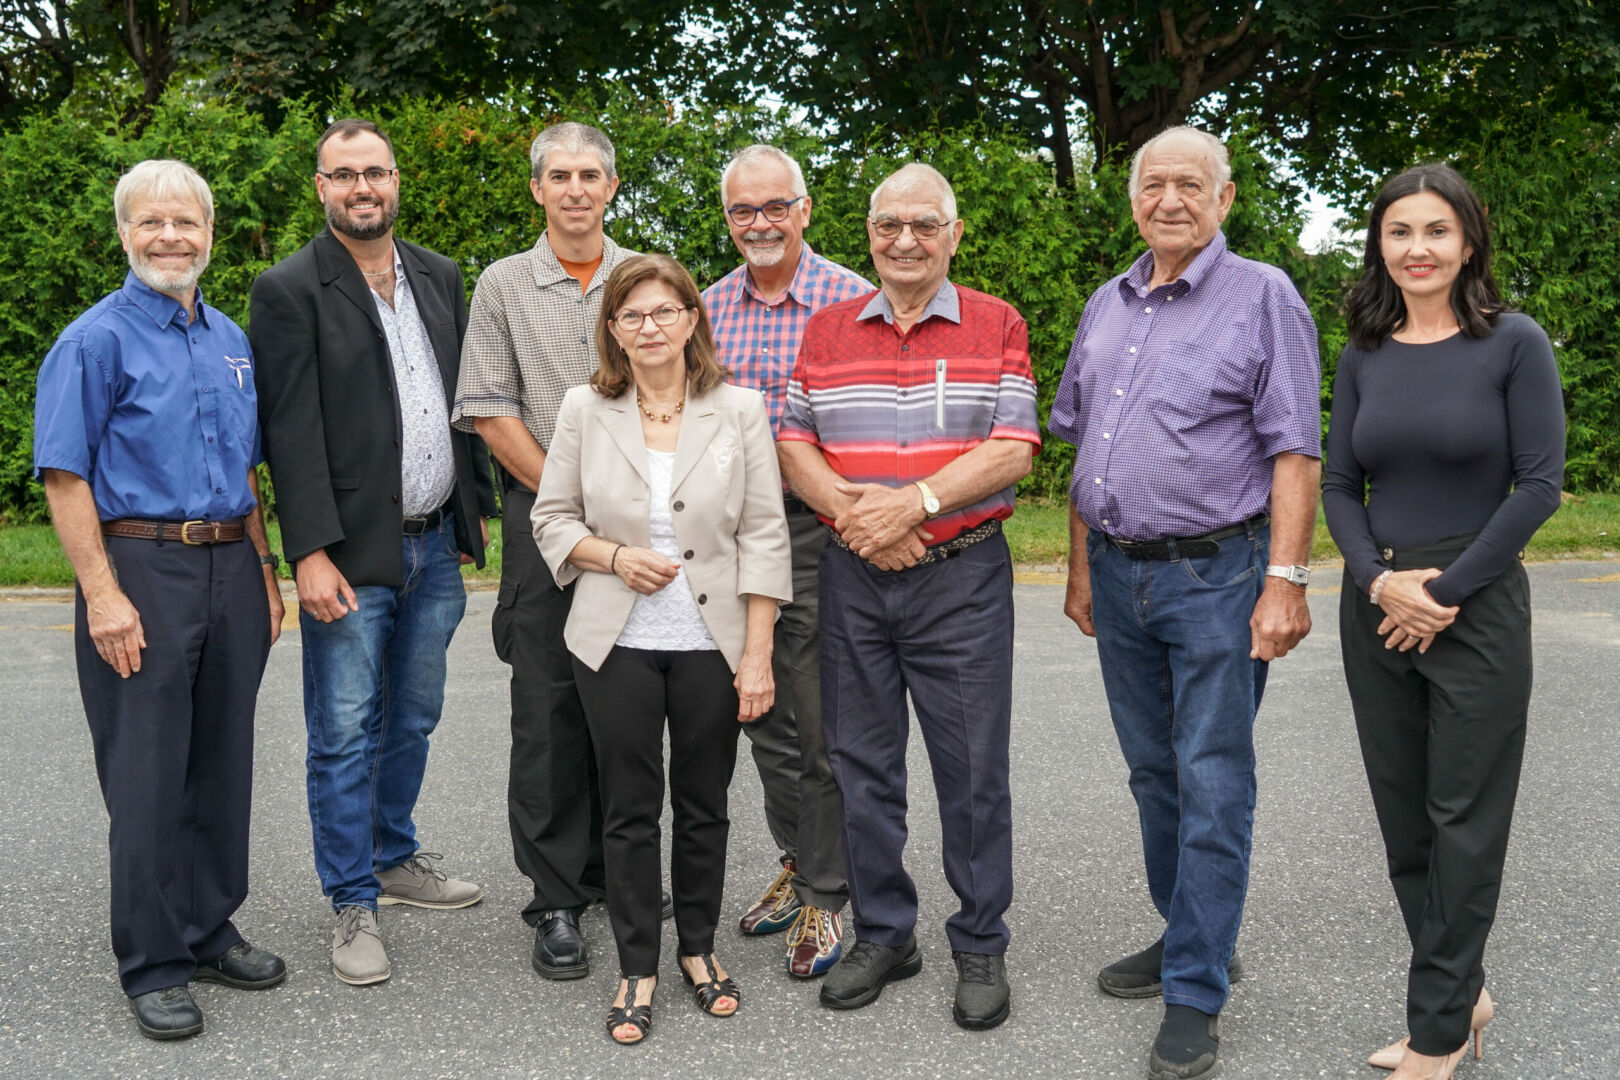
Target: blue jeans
<point>1173,639</point>
<point>373,690</point>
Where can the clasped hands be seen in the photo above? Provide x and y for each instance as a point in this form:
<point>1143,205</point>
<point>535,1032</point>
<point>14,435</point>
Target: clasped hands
<point>883,524</point>
<point>1411,616</point>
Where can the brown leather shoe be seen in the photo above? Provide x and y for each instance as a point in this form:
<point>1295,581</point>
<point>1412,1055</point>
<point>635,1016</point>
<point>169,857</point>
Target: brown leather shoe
<point>777,907</point>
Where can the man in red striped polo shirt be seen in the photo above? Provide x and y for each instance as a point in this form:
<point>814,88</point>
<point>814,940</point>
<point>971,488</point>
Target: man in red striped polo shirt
<point>910,417</point>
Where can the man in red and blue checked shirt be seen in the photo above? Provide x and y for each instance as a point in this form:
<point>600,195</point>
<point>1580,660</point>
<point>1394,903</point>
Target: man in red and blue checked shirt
<point>1191,393</point>
<point>910,417</point>
<point>758,312</point>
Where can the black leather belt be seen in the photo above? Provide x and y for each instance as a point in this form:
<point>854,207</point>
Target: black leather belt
<point>795,505</point>
<point>1187,547</point>
<point>418,525</point>
<point>187,532</point>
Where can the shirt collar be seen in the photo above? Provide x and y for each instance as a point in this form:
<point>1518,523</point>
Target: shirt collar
<point>1140,275</point>
<point>159,307</point>
<point>548,269</point>
<point>945,303</point>
<point>796,288</point>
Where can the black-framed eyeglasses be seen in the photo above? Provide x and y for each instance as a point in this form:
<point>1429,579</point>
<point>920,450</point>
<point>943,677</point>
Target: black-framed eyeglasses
<point>742,215</point>
<point>890,228</point>
<point>346,178</point>
<point>630,321</point>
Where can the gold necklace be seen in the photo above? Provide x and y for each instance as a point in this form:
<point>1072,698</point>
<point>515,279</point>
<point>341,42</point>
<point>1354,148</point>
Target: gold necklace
<point>663,418</point>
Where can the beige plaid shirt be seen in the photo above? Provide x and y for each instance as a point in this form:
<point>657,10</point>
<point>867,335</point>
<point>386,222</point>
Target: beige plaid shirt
<point>531,337</point>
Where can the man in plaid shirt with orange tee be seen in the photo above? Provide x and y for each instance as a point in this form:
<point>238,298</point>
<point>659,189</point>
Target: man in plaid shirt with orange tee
<point>758,312</point>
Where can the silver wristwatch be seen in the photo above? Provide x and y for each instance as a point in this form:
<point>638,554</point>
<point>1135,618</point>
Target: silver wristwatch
<point>1294,575</point>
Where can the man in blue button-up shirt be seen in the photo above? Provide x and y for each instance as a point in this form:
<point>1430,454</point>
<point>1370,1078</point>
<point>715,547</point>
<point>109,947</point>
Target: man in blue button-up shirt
<point>146,437</point>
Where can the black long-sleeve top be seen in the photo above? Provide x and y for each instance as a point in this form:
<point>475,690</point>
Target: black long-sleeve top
<point>1431,441</point>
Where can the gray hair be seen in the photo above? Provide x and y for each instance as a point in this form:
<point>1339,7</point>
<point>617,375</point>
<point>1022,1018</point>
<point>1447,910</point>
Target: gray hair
<point>159,179</point>
<point>751,155</point>
<point>1220,161</point>
<point>571,138</point>
<point>912,179</point>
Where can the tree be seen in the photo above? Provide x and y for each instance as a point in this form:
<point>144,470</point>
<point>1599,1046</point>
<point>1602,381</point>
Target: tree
<point>1312,72</point>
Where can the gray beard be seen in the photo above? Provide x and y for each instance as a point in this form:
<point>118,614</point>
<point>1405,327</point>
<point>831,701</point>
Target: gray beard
<point>764,258</point>
<point>168,281</point>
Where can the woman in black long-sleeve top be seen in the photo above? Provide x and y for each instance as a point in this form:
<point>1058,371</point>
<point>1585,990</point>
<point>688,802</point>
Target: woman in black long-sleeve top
<point>1444,455</point>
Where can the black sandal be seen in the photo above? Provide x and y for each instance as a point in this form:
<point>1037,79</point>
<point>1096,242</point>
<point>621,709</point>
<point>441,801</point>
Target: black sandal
<point>714,989</point>
<point>637,1016</point>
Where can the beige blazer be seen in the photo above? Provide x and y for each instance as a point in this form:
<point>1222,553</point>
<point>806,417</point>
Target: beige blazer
<point>725,497</point>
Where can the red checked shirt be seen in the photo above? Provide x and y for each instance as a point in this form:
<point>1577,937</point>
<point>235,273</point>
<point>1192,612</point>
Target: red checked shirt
<point>759,340</point>
<point>892,408</point>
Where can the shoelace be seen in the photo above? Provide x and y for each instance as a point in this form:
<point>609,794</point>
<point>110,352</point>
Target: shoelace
<point>349,923</point>
<point>418,864</point>
<point>813,924</point>
<point>779,891</point>
<point>172,995</point>
<point>977,968</point>
<point>864,954</point>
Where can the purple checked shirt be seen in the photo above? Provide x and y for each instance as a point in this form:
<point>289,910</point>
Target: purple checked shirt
<point>759,341</point>
<point>1177,399</point>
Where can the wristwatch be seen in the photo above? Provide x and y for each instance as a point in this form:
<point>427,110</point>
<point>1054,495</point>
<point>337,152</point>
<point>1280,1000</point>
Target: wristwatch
<point>272,560</point>
<point>1294,575</point>
<point>930,500</point>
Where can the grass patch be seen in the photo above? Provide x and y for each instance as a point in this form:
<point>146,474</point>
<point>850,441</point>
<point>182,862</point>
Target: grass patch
<point>1585,526</point>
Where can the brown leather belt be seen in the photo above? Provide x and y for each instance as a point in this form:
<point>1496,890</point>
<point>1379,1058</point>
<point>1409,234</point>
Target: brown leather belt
<point>187,532</point>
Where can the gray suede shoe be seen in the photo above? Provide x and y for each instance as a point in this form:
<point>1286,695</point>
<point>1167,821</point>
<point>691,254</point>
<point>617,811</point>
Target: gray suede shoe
<point>358,956</point>
<point>417,882</point>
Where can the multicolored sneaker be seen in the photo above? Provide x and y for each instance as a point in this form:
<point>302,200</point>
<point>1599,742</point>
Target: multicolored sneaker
<point>777,908</point>
<point>815,943</point>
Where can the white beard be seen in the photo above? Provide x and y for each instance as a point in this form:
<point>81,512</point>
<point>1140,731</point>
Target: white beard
<point>764,256</point>
<point>168,281</point>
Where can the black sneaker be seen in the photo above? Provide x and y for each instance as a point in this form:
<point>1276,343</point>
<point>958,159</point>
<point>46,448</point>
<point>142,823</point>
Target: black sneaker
<point>1188,1046</point>
<point>857,979</point>
<point>983,997</point>
<point>1137,975</point>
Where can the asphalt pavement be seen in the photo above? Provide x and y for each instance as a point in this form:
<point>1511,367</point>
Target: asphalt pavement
<point>1322,941</point>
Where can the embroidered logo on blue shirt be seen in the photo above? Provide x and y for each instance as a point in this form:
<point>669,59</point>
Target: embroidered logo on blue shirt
<point>240,364</point>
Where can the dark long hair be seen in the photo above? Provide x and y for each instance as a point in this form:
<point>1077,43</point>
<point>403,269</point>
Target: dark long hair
<point>613,376</point>
<point>1376,307</point>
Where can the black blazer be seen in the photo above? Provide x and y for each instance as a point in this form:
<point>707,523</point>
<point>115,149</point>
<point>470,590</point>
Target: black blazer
<point>329,411</point>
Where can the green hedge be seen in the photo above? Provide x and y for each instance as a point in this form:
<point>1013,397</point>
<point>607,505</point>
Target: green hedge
<point>464,191</point>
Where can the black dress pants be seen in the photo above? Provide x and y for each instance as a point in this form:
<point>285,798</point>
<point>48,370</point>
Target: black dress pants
<point>174,751</point>
<point>626,703</point>
<point>552,805</point>
<point>1442,735</point>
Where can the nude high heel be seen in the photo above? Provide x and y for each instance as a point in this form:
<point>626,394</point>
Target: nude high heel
<point>1484,1012</point>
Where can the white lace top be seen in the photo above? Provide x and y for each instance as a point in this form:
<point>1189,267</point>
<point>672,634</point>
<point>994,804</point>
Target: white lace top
<point>669,619</point>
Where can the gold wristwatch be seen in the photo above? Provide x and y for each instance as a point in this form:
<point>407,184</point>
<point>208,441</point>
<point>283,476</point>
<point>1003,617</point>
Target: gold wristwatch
<point>930,501</point>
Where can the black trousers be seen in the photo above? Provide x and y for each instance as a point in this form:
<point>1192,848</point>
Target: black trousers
<point>803,807</point>
<point>1442,736</point>
<point>552,805</point>
<point>174,751</point>
<point>626,703</point>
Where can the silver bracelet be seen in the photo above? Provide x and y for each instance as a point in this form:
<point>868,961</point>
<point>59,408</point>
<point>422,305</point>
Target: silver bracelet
<point>1378,586</point>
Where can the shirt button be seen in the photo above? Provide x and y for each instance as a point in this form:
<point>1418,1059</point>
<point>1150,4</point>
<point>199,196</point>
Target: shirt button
<point>1106,435</point>
<point>1105,521</point>
<point>902,444</point>
<point>219,491</point>
<point>687,554</point>
<point>1133,348</point>
<point>210,440</point>
<point>1147,310</point>
<point>703,598</point>
<point>1118,392</point>
<point>905,348</point>
<point>677,506</point>
<point>582,341</point>
<point>393,498</point>
<point>1098,480</point>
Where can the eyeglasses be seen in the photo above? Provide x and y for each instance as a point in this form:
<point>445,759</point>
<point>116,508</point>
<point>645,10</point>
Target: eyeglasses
<point>155,226</point>
<point>890,228</point>
<point>345,178</point>
<point>742,215</point>
<point>630,321</point>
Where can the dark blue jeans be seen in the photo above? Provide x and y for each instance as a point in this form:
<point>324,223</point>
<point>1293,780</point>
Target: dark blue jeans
<point>942,633</point>
<point>1173,639</point>
<point>373,690</point>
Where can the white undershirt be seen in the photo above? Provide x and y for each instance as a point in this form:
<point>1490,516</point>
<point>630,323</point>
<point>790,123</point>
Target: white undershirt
<point>669,619</point>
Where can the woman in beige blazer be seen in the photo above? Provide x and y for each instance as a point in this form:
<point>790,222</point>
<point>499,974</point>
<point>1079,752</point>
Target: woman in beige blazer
<point>661,496</point>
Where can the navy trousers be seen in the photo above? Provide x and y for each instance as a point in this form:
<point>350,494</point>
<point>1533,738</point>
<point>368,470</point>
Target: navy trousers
<point>942,633</point>
<point>174,752</point>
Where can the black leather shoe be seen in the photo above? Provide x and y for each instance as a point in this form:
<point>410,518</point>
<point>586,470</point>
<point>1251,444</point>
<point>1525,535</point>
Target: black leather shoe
<point>983,998</point>
<point>858,977</point>
<point>1188,1046</point>
<point>559,948</point>
<point>244,966</point>
<point>168,1013</point>
<point>1137,975</point>
<point>666,905</point>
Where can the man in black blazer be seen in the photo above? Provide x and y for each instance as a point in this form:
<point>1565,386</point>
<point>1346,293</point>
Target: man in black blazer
<point>358,339</point>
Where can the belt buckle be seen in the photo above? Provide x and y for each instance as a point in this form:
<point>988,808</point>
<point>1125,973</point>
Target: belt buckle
<point>185,532</point>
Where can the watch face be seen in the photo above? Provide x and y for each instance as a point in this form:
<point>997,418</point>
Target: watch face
<point>931,505</point>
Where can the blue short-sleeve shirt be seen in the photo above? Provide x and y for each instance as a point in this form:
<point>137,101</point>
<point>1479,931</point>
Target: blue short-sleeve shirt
<point>160,417</point>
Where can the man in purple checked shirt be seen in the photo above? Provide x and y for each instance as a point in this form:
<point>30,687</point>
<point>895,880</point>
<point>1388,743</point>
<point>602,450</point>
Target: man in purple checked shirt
<point>1192,397</point>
